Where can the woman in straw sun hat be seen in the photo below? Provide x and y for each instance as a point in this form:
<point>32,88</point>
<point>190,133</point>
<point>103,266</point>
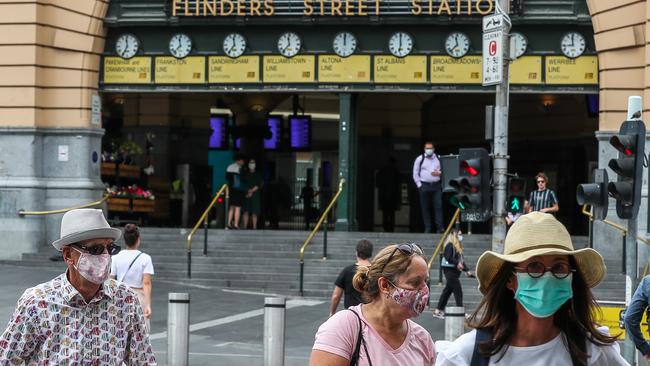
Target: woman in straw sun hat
<point>538,308</point>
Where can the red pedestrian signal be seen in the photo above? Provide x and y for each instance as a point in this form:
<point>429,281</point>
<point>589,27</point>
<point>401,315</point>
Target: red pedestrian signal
<point>630,144</point>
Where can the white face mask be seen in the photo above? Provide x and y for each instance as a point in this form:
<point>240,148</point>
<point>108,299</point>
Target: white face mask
<point>460,237</point>
<point>251,166</point>
<point>94,268</point>
<point>428,152</point>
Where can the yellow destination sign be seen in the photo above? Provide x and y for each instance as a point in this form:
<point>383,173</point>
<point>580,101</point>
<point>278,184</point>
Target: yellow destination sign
<point>449,70</point>
<point>526,70</point>
<point>562,70</point>
<point>298,69</point>
<point>189,70</point>
<point>335,69</point>
<point>406,70</point>
<point>226,70</point>
<point>136,70</point>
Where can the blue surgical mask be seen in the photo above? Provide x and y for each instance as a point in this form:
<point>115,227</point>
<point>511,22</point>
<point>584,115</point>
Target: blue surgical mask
<point>460,238</point>
<point>543,296</point>
<point>428,152</point>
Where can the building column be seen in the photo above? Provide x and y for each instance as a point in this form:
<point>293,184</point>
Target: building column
<point>346,212</point>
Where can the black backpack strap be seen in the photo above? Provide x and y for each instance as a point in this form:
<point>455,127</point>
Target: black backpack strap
<point>354,360</point>
<point>420,168</point>
<point>130,265</point>
<point>482,335</point>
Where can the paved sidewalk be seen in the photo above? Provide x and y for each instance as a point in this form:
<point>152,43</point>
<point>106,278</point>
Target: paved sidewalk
<point>229,324</point>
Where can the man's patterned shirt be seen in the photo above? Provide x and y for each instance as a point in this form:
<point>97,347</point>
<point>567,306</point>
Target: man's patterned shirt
<point>54,325</point>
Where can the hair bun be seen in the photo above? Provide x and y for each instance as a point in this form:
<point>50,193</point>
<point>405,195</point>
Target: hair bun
<point>360,280</point>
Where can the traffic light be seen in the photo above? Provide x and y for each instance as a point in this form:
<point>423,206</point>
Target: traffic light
<point>595,194</point>
<point>472,187</point>
<point>516,195</point>
<point>630,143</point>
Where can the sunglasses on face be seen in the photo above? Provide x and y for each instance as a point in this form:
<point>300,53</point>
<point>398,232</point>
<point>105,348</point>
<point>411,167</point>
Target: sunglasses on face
<point>98,249</point>
<point>540,181</point>
<point>559,270</point>
<point>406,249</point>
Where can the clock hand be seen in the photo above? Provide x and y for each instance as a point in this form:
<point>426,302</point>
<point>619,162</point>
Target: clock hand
<point>456,39</point>
<point>345,39</point>
<point>572,42</point>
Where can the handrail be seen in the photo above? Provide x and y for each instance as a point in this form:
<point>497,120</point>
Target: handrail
<point>23,213</point>
<point>313,232</point>
<point>610,223</point>
<point>203,219</point>
<point>453,221</point>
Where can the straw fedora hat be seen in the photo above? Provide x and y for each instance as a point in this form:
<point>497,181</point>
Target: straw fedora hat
<point>83,224</point>
<point>539,234</point>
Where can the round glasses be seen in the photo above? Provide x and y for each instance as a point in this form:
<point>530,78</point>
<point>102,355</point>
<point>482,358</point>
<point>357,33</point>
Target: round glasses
<point>537,269</point>
<point>406,249</point>
<point>540,181</point>
<point>112,248</point>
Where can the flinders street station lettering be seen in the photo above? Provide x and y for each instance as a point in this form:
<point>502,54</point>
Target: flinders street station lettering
<point>334,8</point>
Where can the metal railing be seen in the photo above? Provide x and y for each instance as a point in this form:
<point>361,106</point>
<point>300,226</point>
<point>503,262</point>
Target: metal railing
<point>23,213</point>
<point>323,218</point>
<point>204,219</point>
<point>438,249</point>
<point>622,229</point>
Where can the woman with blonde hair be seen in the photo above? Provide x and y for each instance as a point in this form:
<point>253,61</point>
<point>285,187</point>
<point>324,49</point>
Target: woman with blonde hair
<point>538,308</point>
<point>453,264</point>
<point>380,331</point>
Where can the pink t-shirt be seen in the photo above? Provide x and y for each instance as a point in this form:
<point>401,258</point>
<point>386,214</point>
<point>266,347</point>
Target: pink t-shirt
<point>338,335</point>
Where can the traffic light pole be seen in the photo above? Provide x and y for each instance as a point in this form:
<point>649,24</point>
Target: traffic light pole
<point>631,247</point>
<point>500,158</point>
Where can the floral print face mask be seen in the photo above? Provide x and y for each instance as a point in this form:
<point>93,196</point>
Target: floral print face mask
<point>412,301</point>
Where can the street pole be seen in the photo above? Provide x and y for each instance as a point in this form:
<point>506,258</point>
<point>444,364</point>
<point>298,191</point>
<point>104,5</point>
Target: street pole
<point>500,158</point>
<point>634,104</point>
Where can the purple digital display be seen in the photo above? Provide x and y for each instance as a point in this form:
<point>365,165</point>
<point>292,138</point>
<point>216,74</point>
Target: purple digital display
<point>219,137</point>
<point>300,132</point>
<point>275,124</point>
<point>273,143</point>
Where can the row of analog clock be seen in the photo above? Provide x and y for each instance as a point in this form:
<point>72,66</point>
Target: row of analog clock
<point>344,44</point>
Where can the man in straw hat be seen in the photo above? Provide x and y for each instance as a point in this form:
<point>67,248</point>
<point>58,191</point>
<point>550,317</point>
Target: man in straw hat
<point>81,316</point>
<point>538,307</point>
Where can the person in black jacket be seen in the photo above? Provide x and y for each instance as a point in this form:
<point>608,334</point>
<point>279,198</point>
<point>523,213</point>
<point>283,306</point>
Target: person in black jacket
<point>453,264</point>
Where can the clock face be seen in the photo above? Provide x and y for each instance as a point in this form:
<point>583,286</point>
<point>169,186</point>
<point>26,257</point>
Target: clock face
<point>289,44</point>
<point>234,45</point>
<point>573,44</point>
<point>400,44</point>
<point>180,45</point>
<point>127,45</point>
<point>519,44</point>
<point>457,44</point>
<point>344,44</point>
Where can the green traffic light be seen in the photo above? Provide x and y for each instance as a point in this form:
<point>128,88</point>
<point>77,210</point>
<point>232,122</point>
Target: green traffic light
<point>514,205</point>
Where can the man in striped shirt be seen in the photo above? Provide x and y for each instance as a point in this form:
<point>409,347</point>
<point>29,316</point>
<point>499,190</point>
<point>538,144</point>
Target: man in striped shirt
<point>543,199</point>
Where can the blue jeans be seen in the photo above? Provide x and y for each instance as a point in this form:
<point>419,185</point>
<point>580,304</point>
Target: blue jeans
<point>634,313</point>
<point>431,196</point>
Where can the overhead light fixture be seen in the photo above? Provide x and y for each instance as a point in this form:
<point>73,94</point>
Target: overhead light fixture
<point>257,108</point>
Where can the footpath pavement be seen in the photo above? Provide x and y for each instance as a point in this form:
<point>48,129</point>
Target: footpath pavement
<point>226,325</point>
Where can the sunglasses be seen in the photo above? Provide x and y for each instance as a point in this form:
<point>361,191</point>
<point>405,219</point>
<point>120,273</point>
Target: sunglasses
<point>112,248</point>
<point>537,269</point>
<point>406,249</point>
<point>540,181</point>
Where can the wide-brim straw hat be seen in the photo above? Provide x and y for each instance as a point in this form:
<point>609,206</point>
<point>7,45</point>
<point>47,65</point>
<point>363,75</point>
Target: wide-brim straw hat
<point>537,234</point>
<point>83,224</point>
